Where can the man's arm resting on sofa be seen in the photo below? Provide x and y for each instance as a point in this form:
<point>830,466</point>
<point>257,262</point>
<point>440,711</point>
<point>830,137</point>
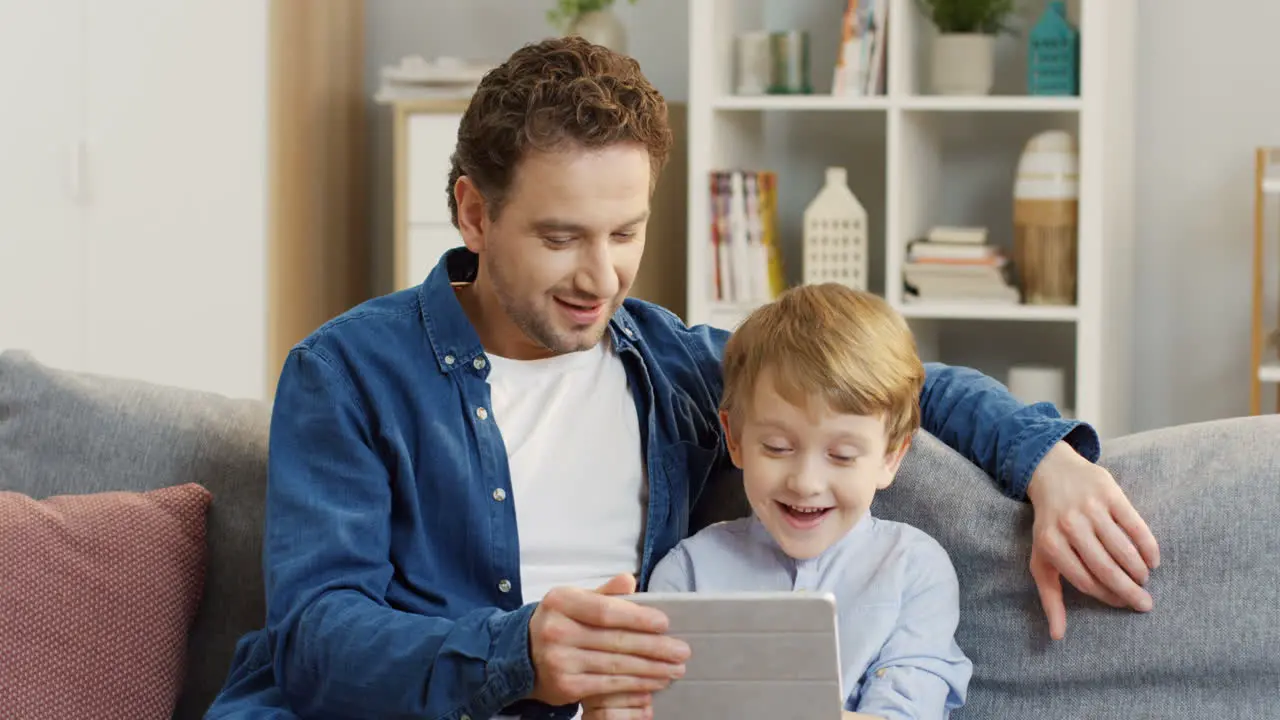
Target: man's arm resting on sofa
<point>338,649</point>
<point>978,417</point>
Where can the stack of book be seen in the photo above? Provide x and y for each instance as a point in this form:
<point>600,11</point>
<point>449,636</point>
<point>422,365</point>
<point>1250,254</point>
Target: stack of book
<point>957,265</point>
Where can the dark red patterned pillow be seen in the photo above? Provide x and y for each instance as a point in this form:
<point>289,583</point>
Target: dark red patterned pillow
<point>97,593</point>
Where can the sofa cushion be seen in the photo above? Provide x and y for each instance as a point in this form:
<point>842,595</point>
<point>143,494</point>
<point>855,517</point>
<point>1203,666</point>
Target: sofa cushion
<point>98,594</point>
<point>63,432</point>
<point>1211,494</point>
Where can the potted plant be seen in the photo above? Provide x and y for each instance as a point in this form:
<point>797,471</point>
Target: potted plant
<point>592,20</point>
<point>965,46</point>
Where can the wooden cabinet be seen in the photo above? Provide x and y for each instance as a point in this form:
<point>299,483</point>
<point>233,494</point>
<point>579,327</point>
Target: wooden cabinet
<point>154,214</point>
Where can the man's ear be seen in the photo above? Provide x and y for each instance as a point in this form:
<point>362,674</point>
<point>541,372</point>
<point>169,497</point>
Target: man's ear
<point>893,461</point>
<point>471,213</point>
<point>731,440</point>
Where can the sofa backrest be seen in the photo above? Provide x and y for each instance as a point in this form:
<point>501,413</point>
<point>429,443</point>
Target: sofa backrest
<point>1210,493</point>
<point>68,433</point>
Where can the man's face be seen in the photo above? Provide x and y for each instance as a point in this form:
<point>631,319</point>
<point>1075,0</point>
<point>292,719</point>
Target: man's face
<point>810,472</point>
<point>561,255</point>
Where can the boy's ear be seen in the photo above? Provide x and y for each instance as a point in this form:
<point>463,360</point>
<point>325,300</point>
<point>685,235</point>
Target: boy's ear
<point>893,461</point>
<point>731,440</point>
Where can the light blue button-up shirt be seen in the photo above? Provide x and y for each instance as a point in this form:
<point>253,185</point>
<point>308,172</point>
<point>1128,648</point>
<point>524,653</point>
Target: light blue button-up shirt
<point>897,601</point>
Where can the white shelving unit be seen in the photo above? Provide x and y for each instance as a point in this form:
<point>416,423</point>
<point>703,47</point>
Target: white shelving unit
<point>917,161</point>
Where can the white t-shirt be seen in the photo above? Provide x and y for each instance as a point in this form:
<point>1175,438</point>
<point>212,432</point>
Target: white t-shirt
<point>578,481</point>
<point>572,435</point>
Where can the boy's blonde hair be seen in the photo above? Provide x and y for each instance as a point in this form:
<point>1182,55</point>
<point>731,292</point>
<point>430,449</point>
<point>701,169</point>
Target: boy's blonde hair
<point>828,341</point>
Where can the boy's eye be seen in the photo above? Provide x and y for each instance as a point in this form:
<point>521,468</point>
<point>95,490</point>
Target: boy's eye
<point>842,458</point>
<point>774,449</point>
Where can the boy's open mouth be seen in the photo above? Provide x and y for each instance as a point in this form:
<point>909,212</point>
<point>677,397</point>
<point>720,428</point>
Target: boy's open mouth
<point>803,515</point>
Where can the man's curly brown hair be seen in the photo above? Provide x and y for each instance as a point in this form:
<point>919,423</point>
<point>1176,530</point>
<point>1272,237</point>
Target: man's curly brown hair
<point>549,95</point>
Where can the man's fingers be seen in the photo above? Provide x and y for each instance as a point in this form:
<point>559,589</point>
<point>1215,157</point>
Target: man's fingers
<point>1059,552</point>
<point>1050,587</point>
<point>1138,531</point>
<point>591,685</point>
<point>618,585</point>
<point>644,647</point>
<point>603,611</point>
<point>622,700</point>
<point>1122,549</point>
<point>609,663</point>
<point>1112,584</point>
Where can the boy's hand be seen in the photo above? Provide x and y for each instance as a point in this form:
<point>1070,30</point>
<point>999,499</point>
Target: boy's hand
<point>1086,531</point>
<point>634,706</point>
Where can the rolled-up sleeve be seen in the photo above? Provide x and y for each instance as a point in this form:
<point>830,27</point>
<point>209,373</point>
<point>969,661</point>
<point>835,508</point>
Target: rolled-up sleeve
<point>921,673</point>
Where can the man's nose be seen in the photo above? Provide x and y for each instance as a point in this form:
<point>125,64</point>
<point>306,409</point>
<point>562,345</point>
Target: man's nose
<point>596,273</point>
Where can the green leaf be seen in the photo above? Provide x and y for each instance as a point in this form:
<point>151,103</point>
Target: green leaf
<point>565,11</point>
<point>989,17</point>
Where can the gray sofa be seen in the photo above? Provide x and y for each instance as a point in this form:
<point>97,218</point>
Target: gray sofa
<point>1211,493</point>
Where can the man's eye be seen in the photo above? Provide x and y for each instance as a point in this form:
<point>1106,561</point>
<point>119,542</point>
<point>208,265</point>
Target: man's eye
<point>624,235</point>
<point>557,240</point>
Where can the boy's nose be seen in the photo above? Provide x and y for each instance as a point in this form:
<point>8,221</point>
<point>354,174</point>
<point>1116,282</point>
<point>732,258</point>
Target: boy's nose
<point>803,484</point>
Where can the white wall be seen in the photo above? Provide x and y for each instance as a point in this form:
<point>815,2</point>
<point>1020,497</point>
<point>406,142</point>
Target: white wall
<point>1207,95</point>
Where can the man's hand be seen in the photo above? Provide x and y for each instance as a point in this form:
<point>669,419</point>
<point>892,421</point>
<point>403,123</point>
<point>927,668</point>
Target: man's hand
<point>627,706</point>
<point>585,643</point>
<point>1086,531</point>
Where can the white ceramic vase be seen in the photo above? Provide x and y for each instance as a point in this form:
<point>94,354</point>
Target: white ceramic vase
<point>963,63</point>
<point>601,27</point>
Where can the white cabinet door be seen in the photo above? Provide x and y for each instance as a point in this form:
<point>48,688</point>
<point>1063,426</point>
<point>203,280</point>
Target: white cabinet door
<point>177,210</point>
<point>41,245</point>
<point>432,137</point>
<point>426,244</point>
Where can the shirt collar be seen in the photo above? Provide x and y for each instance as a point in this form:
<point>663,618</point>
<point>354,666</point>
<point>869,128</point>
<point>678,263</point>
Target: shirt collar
<point>454,341</point>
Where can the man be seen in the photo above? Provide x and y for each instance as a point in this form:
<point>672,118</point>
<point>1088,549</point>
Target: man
<point>455,467</point>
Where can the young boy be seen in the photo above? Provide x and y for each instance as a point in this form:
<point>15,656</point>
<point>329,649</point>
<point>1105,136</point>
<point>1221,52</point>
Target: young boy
<point>821,399</point>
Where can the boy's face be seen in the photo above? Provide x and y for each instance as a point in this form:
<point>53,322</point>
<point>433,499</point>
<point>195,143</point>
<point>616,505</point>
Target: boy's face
<point>810,473</point>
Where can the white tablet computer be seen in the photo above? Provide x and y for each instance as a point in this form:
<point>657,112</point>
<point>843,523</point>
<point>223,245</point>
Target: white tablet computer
<point>766,655</point>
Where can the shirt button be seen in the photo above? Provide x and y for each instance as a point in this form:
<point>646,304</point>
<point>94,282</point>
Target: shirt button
<point>499,494</point>
<point>482,413</point>
<point>504,585</point>
<point>478,363</point>
<point>880,673</point>
<point>627,332</point>
<point>448,359</point>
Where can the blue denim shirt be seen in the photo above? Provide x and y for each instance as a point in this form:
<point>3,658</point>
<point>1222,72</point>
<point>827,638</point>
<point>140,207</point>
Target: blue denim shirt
<point>391,562</point>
